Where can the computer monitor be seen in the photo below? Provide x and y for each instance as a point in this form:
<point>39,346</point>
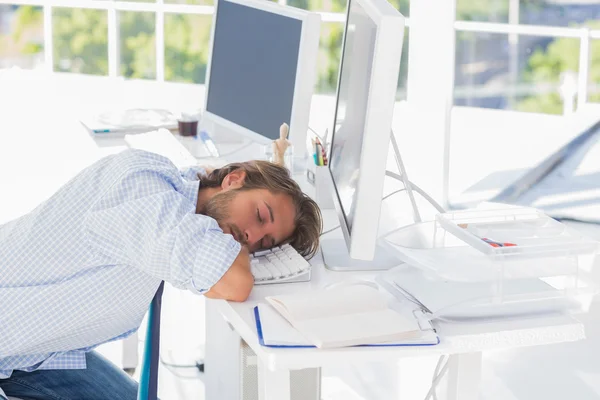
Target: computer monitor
<point>366,94</point>
<point>261,70</point>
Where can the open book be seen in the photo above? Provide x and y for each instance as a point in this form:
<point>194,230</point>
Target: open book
<point>347,315</point>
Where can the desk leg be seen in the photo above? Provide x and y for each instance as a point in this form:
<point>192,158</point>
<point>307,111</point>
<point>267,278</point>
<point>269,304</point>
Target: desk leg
<point>222,360</point>
<point>130,353</point>
<point>464,376</point>
<point>273,385</point>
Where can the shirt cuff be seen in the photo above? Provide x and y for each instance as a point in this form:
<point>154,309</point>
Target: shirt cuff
<point>214,258</point>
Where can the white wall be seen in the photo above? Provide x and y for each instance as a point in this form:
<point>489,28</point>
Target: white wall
<point>482,142</point>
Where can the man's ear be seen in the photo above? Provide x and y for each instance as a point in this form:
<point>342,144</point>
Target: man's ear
<point>234,180</point>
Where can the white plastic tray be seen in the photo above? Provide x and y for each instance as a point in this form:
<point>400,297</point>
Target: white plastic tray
<point>427,246</point>
<point>515,232</point>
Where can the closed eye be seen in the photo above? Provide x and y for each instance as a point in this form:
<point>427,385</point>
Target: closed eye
<point>260,219</point>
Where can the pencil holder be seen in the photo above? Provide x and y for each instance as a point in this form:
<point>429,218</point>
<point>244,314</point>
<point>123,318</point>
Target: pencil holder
<point>323,195</point>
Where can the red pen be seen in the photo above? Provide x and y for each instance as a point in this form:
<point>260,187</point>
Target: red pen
<point>497,244</point>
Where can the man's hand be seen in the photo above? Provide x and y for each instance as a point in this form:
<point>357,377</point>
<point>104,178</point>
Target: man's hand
<point>237,282</point>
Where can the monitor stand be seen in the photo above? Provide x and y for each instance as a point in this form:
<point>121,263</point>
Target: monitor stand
<point>335,251</point>
<point>336,257</point>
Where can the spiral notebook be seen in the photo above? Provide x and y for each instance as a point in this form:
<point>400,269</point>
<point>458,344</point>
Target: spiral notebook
<point>348,316</point>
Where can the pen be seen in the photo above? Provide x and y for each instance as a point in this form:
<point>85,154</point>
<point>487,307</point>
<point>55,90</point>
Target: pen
<point>121,131</point>
<point>108,131</point>
<point>209,144</point>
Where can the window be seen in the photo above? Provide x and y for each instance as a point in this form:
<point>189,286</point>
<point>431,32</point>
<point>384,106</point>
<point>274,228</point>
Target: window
<point>403,77</point>
<point>137,51</point>
<point>187,41</point>
<point>594,73</point>
<point>328,61</point>
<point>525,54</point>
<point>198,2</point>
<point>21,36</point>
<point>141,39</point>
<point>558,13</point>
<point>80,38</point>
<point>482,10</point>
<point>336,6</point>
<point>530,73</point>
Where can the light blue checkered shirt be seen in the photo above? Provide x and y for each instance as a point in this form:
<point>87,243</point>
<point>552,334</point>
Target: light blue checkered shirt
<point>82,268</point>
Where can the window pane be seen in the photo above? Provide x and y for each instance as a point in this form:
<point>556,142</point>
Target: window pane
<point>558,13</point>
<point>21,36</point>
<point>401,94</point>
<point>200,2</point>
<point>328,60</point>
<point>482,10</point>
<point>187,41</point>
<point>137,47</point>
<point>340,5</point>
<point>533,74</point>
<point>401,5</point>
<point>319,5</point>
<point>80,40</point>
<point>594,77</point>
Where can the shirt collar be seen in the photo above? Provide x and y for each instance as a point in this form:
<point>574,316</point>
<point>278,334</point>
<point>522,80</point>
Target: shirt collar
<point>190,190</point>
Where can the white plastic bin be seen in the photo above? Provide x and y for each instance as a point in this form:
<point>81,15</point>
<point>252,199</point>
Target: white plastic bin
<point>452,248</point>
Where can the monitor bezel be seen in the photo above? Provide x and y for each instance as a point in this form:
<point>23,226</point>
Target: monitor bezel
<point>361,240</point>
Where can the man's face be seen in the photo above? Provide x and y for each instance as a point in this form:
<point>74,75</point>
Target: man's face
<point>256,218</point>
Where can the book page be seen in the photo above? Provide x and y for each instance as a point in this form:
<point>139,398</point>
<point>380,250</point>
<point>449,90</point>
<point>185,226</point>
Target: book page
<point>278,331</point>
<point>341,300</point>
<point>365,328</point>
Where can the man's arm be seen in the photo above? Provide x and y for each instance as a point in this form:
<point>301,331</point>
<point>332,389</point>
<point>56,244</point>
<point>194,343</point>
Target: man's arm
<point>161,235</point>
<point>237,282</point>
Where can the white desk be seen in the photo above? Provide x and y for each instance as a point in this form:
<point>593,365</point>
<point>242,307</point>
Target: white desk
<point>464,342</point>
<point>53,152</point>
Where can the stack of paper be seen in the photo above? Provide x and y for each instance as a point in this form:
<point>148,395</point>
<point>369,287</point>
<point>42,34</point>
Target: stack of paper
<point>130,121</point>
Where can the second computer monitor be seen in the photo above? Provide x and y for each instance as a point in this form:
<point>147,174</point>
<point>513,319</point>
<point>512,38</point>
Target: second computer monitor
<point>262,69</point>
<point>365,105</point>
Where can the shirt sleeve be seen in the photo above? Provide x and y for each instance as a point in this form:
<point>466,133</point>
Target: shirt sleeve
<point>158,231</point>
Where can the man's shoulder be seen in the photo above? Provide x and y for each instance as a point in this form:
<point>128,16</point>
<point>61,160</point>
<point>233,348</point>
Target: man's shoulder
<point>142,158</point>
<point>139,165</point>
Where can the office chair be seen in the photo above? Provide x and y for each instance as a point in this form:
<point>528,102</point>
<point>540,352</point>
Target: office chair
<point>148,386</point>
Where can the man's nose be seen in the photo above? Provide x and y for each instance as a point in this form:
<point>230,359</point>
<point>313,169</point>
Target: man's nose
<point>252,237</point>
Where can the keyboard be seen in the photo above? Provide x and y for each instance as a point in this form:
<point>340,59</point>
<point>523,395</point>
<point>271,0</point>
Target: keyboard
<point>164,143</point>
<point>279,265</point>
